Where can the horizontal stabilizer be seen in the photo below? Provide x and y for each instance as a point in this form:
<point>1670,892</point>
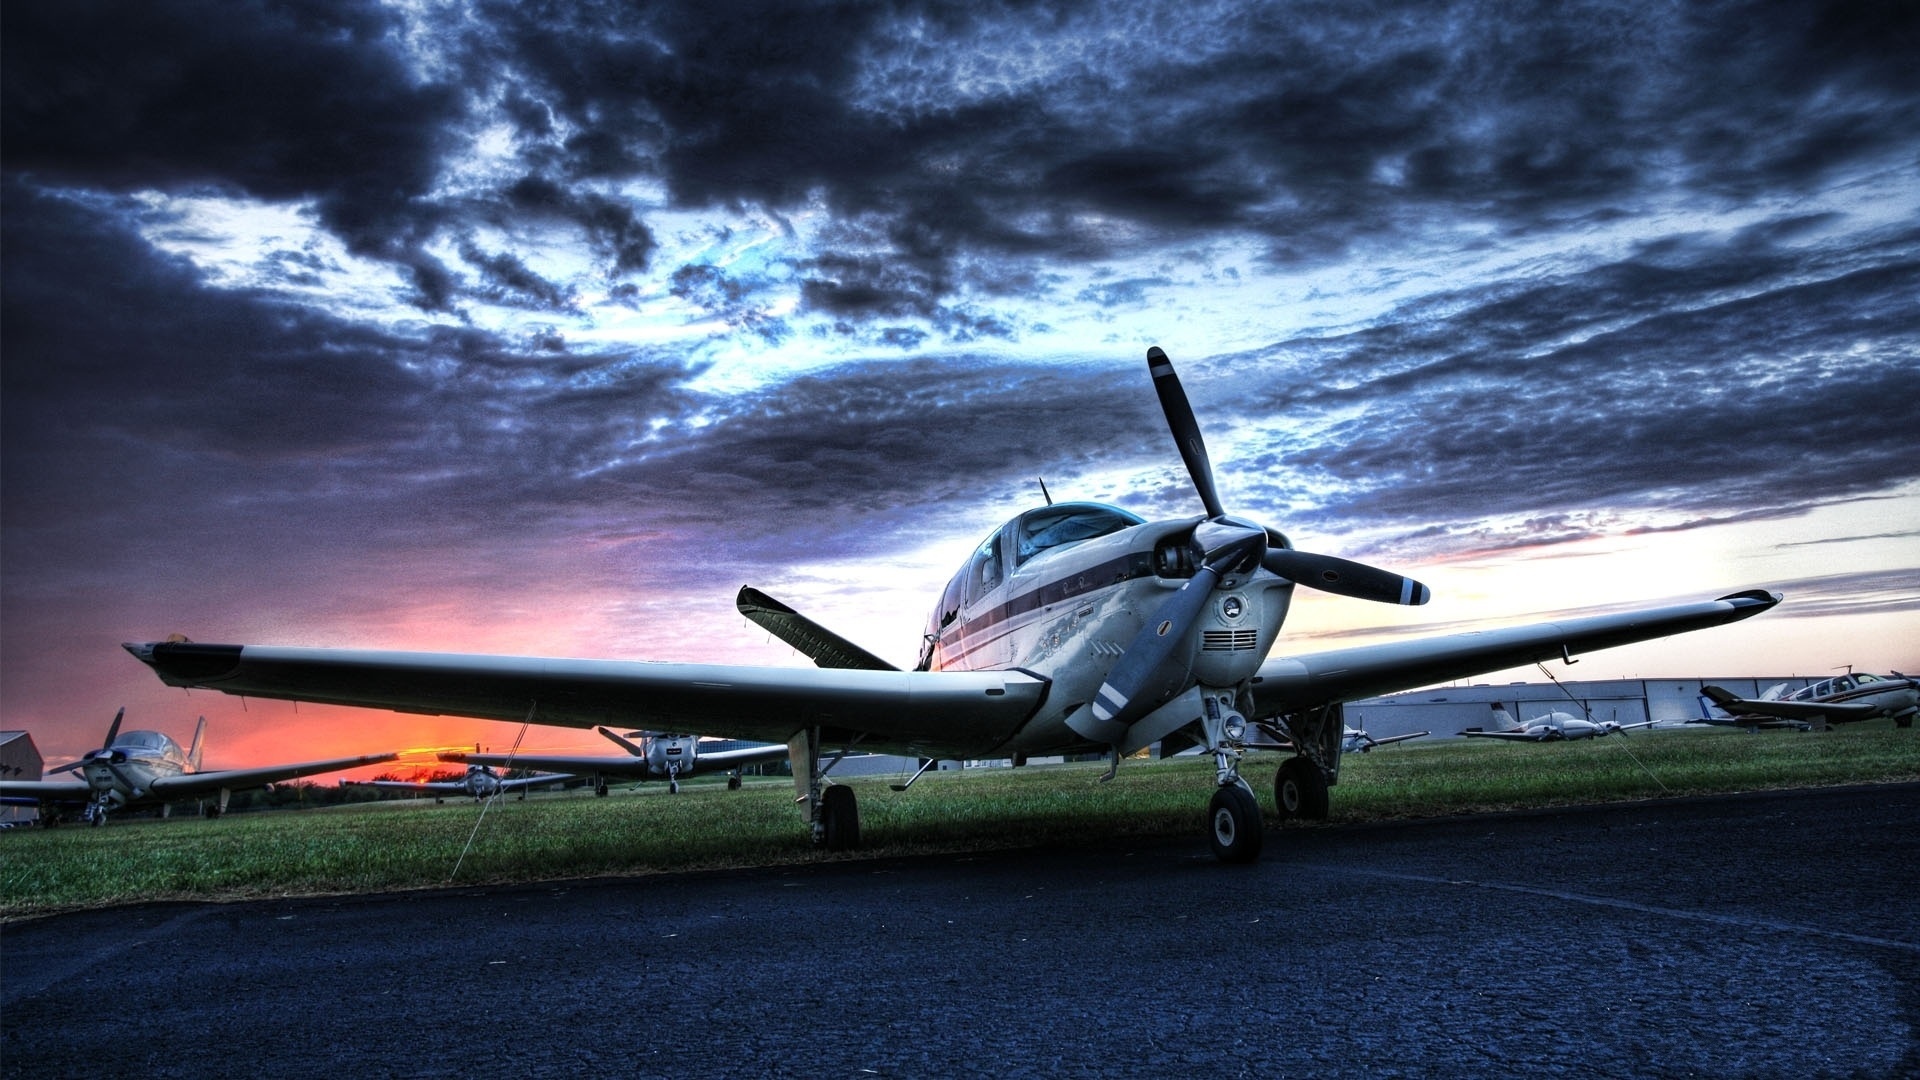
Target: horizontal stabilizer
<point>824,647</point>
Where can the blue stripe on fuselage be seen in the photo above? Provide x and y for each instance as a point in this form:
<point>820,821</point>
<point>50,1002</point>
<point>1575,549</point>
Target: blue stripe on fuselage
<point>990,625</point>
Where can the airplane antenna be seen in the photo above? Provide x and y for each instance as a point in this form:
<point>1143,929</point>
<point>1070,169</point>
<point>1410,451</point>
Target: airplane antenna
<point>1043,490</point>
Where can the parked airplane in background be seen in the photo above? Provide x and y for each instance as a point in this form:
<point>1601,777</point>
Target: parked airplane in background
<point>480,782</point>
<point>1553,727</point>
<point>143,769</point>
<point>1357,741</point>
<point>1073,628</point>
<point>1843,699</point>
<point>654,757</point>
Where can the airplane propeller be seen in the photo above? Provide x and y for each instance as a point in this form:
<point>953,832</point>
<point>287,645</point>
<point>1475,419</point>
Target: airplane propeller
<point>1223,546</point>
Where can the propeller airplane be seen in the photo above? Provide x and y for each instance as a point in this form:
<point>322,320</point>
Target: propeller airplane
<point>1843,699</point>
<point>142,769</point>
<point>655,757</point>
<point>481,782</point>
<point>1073,628</point>
<point>1553,727</point>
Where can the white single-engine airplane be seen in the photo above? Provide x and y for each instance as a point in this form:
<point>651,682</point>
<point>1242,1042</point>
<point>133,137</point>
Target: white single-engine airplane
<point>480,782</point>
<point>1843,699</point>
<point>1074,628</point>
<point>1553,727</point>
<point>654,757</point>
<point>143,769</point>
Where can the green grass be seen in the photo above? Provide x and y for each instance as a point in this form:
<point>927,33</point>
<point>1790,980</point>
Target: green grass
<point>385,846</point>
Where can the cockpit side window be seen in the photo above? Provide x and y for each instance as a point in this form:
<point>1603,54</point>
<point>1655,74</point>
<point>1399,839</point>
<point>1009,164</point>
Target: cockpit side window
<point>984,570</point>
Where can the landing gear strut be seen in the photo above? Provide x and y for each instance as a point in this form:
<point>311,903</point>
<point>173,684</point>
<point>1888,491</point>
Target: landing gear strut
<point>1300,787</point>
<point>831,810</point>
<point>1234,829</point>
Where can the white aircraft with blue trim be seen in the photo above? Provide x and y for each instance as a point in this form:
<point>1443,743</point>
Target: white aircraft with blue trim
<point>139,770</point>
<point>1073,628</point>
<point>657,756</point>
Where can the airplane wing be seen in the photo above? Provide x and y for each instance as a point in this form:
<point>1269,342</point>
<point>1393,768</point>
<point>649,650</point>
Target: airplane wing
<point>1831,712</point>
<point>456,787</point>
<point>961,713</point>
<point>187,785</point>
<point>745,755</point>
<point>434,787</point>
<point>706,761</point>
<point>944,714</point>
<point>34,792</point>
<point>603,766</point>
<point>1293,683</point>
<point>1396,738</point>
<point>1518,736</point>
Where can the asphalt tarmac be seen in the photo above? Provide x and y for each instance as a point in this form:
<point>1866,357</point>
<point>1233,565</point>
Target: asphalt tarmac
<point>1768,935</point>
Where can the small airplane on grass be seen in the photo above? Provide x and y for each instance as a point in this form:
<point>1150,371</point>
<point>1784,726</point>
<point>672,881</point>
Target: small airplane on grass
<point>1553,727</point>
<point>1073,628</point>
<point>480,782</point>
<point>654,757</point>
<point>1843,699</point>
<point>143,769</point>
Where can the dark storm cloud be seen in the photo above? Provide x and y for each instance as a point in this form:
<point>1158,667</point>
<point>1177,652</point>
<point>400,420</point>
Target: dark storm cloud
<point>1861,593</point>
<point>1700,378</point>
<point>506,280</point>
<point>150,418</point>
<point>281,101</point>
<point>150,421</point>
<point>1093,138</point>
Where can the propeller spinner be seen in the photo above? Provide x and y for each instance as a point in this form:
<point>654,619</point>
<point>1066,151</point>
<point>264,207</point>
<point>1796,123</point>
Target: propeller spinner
<point>1223,546</point>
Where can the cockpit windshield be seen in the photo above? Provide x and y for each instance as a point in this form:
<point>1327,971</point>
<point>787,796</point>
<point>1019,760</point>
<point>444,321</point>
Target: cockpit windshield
<point>1067,523</point>
<point>155,741</point>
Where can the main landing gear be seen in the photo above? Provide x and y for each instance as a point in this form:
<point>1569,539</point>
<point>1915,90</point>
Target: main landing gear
<point>1300,790</point>
<point>830,808</point>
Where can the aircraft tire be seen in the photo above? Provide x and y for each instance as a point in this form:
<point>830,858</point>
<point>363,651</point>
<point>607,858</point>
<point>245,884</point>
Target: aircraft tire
<point>1299,791</point>
<point>733,783</point>
<point>840,813</point>
<point>1233,825</point>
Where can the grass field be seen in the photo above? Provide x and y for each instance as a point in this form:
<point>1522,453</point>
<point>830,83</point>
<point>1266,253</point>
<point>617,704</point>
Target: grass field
<point>383,846</point>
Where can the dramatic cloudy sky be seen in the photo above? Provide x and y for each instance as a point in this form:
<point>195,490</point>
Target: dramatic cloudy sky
<point>542,328</point>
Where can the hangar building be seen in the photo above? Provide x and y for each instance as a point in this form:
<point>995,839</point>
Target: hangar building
<point>19,760</point>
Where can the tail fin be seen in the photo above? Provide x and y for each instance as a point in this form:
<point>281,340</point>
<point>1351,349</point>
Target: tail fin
<point>199,744</point>
<point>1718,696</point>
<point>1502,719</point>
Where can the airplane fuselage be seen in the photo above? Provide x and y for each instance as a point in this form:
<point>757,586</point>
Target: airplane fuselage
<point>1060,591</point>
<point>1888,695</point>
<point>123,774</point>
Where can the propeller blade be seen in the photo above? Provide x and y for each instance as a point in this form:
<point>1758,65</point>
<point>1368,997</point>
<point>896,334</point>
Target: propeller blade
<point>113,732</point>
<point>1186,430</point>
<point>1124,697</point>
<point>1345,577</point>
